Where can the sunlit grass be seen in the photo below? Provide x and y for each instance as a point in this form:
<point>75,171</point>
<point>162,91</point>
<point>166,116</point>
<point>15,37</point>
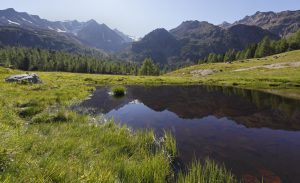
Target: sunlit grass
<point>208,172</point>
<point>286,81</point>
<point>170,143</point>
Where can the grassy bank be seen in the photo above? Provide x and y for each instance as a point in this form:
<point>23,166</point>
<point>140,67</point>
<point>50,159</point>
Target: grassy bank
<point>43,141</point>
<point>278,74</point>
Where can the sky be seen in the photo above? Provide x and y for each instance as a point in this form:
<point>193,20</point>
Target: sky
<point>139,17</point>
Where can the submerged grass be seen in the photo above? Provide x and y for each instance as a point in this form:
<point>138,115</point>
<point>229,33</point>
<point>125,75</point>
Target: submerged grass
<point>43,141</point>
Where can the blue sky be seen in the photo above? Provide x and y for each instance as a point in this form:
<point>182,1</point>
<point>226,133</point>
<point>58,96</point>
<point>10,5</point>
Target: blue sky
<point>139,17</point>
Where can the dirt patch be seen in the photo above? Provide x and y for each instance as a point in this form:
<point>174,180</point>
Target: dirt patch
<point>203,72</point>
<point>272,66</point>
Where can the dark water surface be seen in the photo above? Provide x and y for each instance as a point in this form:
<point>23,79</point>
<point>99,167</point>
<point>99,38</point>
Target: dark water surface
<point>251,132</point>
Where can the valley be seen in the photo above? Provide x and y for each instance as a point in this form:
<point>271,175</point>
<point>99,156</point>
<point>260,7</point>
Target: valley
<point>45,108</point>
<point>199,102</point>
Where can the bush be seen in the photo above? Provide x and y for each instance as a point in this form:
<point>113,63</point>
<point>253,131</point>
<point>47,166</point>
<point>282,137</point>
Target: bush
<point>118,91</point>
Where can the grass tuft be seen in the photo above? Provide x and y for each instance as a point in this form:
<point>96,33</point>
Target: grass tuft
<point>61,115</point>
<point>170,144</point>
<point>208,172</point>
<point>118,91</point>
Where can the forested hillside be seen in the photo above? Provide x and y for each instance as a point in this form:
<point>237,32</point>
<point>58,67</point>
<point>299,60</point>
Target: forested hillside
<point>30,59</point>
<point>264,48</point>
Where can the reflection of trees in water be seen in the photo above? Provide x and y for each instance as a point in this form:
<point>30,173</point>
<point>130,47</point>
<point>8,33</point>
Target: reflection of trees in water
<point>248,107</point>
<point>261,99</point>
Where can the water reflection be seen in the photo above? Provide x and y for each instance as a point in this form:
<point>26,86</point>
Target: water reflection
<point>253,133</point>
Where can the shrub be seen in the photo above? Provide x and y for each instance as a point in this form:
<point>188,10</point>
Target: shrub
<point>118,91</point>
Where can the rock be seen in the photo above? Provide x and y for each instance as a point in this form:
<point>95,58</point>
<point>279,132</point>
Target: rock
<point>202,72</point>
<point>32,78</point>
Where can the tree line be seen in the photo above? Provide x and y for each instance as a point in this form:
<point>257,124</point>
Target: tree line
<point>264,48</point>
<point>34,59</point>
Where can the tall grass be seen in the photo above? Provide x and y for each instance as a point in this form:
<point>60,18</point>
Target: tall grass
<point>170,144</point>
<point>209,172</point>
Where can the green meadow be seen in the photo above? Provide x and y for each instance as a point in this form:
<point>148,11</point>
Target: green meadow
<point>42,140</point>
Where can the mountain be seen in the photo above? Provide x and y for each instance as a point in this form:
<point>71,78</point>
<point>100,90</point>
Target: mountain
<point>100,36</point>
<point>194,40</point>
<point>185,44</point>
<point>126,38</point>
<point>225,24</point>
<point>158,45</point>
<point>282,23</point>
<point>15,36</point>
<point>91,34</point>
<point>44,39</point>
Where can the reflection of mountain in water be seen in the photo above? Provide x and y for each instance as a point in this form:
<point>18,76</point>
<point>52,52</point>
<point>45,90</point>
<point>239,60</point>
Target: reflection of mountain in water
<point>103,102</point>
<point>247,107</point>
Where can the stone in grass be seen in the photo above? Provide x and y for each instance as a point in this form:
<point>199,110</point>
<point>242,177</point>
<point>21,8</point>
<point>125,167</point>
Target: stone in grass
<point>30,78</point>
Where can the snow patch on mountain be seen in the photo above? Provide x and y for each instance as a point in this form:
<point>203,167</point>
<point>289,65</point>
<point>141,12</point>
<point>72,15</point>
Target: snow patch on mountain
<point>26,20</point>
<point>12,22</point>
<point>59,30</point>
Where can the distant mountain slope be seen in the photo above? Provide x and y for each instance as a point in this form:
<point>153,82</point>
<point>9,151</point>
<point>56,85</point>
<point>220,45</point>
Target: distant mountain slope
<point>44,39</point>
<point>158,45</point>
<point>100,36</point>
<point>194,40</point>
<point>282,23</point>
<point>90,33</point>
<point>185,44</point>
<point>125,37</point>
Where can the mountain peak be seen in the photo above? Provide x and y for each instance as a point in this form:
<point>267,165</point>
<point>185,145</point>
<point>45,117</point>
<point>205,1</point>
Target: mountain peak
<point>193,24</point>
<point>282,23</point>
<point>163,30</point>
<point>10,10</point>
<point>225,25</point>
<point>92,21</point>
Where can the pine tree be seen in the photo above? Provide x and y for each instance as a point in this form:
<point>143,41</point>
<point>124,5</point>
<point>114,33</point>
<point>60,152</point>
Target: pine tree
<point>149,68</point>
<point>230,55</point>
<point>294,41</point>
<point>263,48</point>
<point>281,45</point>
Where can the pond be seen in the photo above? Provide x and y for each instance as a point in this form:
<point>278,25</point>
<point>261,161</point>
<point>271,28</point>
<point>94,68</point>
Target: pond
<point>252,133</point>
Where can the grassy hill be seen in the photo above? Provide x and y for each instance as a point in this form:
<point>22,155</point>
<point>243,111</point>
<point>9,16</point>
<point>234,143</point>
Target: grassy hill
<point>278,74</point>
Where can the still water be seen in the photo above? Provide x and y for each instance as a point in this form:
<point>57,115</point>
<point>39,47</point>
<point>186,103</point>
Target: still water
<point>252,133</point>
